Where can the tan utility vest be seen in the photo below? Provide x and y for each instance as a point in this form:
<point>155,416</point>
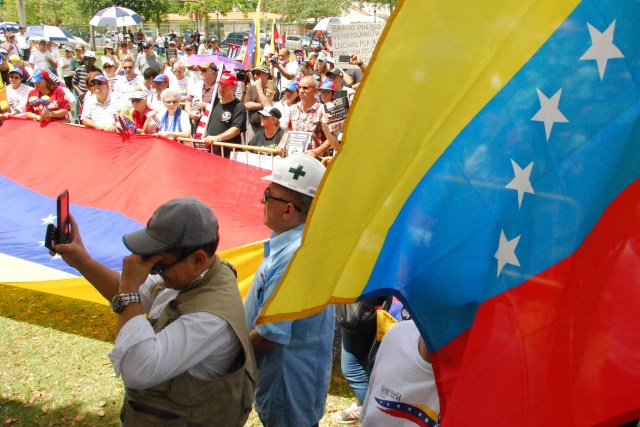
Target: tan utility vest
<point>188,401</point>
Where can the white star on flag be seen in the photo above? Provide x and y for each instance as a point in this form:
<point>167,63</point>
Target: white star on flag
<point>549,112</point>
<point>521,181</point>
<point>602,48</point>
<point>48,220</point>
<point>506,253</point>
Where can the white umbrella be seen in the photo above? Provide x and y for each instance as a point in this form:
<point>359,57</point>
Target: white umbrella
<point>48,32</point>
<point>9,26</point>
<point>323,24</point>
<point>116,16</point>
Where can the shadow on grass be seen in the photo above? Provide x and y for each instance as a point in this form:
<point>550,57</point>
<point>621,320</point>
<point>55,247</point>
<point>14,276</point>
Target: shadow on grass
<point>14,412</point>
<point>69,315</point>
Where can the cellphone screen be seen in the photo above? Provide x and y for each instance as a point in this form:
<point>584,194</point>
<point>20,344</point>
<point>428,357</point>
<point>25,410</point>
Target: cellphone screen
<point>344,58</point>
<point>63,217</point>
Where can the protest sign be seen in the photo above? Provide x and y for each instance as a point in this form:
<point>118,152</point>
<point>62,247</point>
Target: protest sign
<point>297,142</point>
<point>337,108</point>
<point>359,39</point>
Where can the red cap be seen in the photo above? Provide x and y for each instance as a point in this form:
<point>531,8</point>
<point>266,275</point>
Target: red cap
<point>228,79</point>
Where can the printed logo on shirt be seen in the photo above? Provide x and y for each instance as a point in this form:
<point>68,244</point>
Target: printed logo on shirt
<point>420,415</point>
<point>226,116</point>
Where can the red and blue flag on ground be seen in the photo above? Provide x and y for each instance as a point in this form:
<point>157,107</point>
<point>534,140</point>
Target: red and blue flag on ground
<point>499,201</point>
<point>114,185</point>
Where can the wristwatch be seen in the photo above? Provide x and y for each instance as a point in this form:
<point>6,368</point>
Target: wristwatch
<point>120,301</point>
<point>218,138</point>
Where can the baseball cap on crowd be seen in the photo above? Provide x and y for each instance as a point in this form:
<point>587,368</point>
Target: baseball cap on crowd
<point>39,75</point>
<point>138,95</point>
<point>108,62</point>
<point>161,78</point>
<point>209,65</point>
<point>172,43</point>
<point>322,58</point>
<point>108,45</point>
<point>261,68</point>
<point>331,60</point>
<point>146,45</point>
<point>78,47</point>
<point>17,71</point>
<point>100,78</point>
<point>3,50</point>
<point>90,54</point>
<point>271,112</point>
<point>188,47</point>
<point>334,73</point>
<point>179,223</point>
<point>228,79</point>
<point>68,49</point>
<point>327,85</point>
<point>291,86</point>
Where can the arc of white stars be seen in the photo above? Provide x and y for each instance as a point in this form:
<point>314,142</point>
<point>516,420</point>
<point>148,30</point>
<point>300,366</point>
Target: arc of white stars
<point>549,112</point>
<point>521,181</point>
<point>506,253</point>
<point>602,48</point>
<point>48,220</point>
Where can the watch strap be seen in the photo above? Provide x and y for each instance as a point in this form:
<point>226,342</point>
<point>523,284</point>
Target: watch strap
<point>120,301</point>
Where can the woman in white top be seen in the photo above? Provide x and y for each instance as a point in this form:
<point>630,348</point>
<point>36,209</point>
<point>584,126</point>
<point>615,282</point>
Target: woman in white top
<point>109,55</point>
<point>42,58</point>
<point>171,122</point>
<point>17,92</point>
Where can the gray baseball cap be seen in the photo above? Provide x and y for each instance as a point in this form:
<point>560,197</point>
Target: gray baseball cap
<point>179,223</point>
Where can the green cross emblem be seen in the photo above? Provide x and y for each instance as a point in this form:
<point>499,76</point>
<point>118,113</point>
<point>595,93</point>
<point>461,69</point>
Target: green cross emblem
<point>298,172</point>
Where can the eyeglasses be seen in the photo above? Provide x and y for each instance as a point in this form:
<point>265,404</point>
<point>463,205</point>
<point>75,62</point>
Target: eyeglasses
<point>171,102</point>
<point>161,267</point>
<point>267,195</point>
<point>106,67</point>
<point>146,47</point>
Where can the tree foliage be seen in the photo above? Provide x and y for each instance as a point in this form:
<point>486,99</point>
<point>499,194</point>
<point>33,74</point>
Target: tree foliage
<point>303,10</point>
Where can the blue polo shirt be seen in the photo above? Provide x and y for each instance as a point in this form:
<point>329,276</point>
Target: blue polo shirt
<point>295,374</point>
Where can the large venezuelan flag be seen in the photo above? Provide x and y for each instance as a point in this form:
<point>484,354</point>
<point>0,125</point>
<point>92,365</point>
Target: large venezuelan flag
<point>114,185</point>
<point>491,181</point>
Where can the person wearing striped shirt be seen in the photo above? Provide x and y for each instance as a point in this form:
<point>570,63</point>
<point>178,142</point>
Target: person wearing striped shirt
<point>100,110</point>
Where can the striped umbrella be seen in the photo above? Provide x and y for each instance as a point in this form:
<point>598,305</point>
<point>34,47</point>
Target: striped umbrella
<point>115,16</point>
<point>48,32</point>
<point>9,26</point>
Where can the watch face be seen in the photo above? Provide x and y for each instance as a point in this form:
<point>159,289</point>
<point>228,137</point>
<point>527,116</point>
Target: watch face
<point>116,303</point>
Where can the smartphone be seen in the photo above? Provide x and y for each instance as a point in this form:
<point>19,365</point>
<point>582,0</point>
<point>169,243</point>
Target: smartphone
<point>344,58</point>
<point>271,85</point>
<point>60,232</point>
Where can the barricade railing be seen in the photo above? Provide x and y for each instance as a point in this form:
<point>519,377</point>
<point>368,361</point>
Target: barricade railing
<point>261,151</point>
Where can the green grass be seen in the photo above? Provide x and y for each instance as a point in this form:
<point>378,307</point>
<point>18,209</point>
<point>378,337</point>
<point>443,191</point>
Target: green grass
<point>54,369</point>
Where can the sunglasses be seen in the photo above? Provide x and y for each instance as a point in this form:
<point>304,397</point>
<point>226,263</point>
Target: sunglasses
<point>127,67</point>
<point>161,267</point>
<point>106,67</point>
<point>136,100</point>
<point>266,196</point>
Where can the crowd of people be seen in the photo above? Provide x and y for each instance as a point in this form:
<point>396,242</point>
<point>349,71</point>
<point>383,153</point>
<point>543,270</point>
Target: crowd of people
<point>105,90</point>
<point>188,349</point>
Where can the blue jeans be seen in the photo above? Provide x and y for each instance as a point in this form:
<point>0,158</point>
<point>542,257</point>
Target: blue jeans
<point>354,363</point>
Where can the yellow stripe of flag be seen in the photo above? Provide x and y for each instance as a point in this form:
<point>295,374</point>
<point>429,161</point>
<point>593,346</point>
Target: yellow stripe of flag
<point>437,64</point>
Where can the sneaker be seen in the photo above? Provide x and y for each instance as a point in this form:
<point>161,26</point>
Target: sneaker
<point>350,415</point>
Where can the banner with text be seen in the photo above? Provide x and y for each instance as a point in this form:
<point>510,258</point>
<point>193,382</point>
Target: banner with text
<point>359,39</point>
